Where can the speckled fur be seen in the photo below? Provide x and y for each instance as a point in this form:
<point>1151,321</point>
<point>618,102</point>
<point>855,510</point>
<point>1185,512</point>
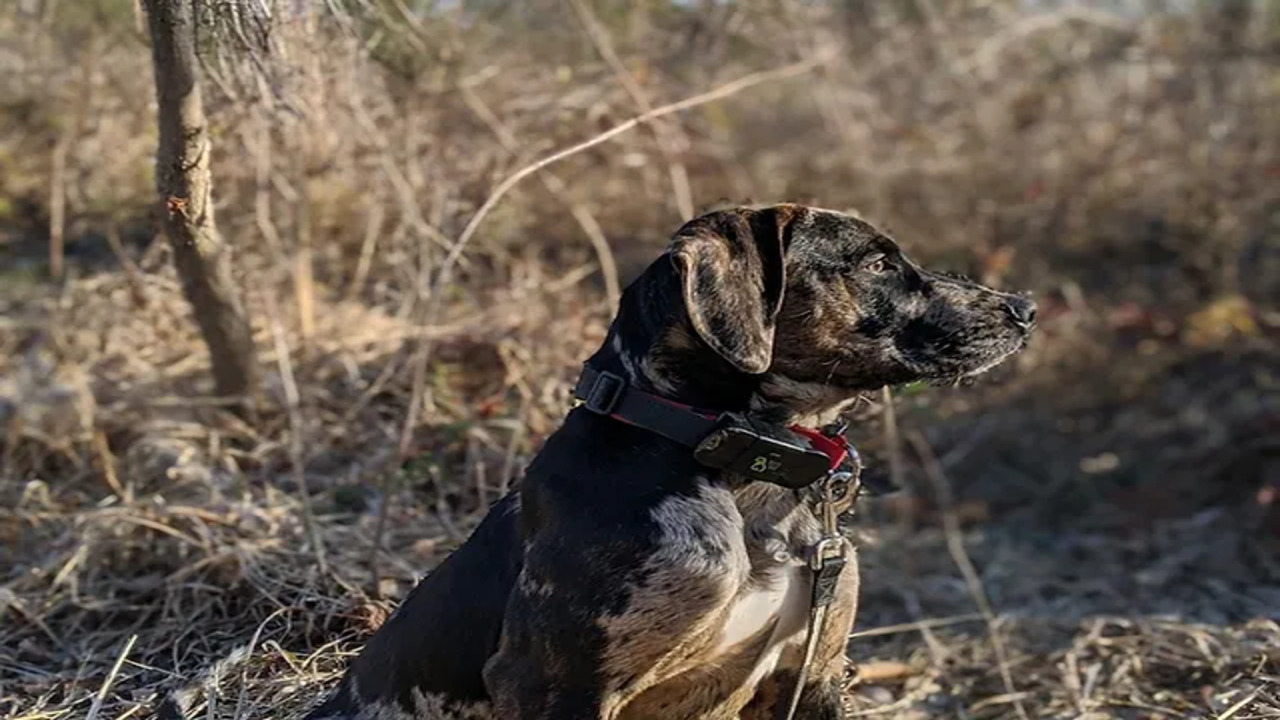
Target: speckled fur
<point>623,581</point>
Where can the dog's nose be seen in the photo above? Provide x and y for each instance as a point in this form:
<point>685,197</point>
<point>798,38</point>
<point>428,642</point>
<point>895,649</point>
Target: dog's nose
<point>1022,310</point>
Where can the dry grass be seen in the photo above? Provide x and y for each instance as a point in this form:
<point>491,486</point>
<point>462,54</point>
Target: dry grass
<point>178,546</point>
<point>1099,535</point>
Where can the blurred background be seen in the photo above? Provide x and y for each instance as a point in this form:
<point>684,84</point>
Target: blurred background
<point>1092,530</point>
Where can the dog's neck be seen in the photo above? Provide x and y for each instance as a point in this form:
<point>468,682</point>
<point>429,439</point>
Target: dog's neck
<point>652,344</point>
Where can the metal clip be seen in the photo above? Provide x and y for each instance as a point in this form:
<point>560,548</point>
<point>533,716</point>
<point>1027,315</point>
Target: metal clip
<point>827,562</point>
<point>835,429</point>
<point>838,483</point>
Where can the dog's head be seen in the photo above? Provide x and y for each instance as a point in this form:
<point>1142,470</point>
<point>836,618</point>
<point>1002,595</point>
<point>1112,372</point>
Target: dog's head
<point>807,308</point>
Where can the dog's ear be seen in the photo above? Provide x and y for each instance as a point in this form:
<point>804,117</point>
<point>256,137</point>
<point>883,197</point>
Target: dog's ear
<point>732,271</point>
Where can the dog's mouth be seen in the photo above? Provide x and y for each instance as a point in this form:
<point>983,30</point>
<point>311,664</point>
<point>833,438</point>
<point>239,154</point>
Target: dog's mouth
<point>1016,342</point>
<point>1018,345</point>
<point>966,352</point>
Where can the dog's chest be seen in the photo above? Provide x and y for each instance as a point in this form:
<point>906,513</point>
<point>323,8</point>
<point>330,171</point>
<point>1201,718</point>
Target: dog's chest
<point>769,610</point>
<point>760,627</point>
<point>760,631</point>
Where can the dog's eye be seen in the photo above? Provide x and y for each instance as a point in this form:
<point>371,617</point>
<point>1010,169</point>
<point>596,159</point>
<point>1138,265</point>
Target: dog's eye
<point>877,266</point>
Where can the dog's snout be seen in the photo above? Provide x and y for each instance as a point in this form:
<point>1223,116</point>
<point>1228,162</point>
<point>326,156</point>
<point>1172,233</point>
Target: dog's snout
<point>1022,310</point>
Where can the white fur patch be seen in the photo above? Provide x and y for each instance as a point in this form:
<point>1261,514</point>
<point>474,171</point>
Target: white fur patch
<point>782,601</point>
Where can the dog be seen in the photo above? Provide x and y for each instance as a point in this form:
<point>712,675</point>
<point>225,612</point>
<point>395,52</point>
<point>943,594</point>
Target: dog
<point>635,574</point>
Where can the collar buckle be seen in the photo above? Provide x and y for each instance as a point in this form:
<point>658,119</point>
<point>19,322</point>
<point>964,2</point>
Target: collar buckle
<point>605,392</point>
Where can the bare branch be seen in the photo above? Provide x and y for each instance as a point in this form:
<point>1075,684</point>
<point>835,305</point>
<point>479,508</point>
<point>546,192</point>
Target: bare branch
<point>668,135</point>
<point>955,545</point>
<point>728,89</point>
<point>557,187</point>
<point>293,405</point>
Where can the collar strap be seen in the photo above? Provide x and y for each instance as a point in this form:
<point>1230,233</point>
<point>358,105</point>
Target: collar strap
<point>606,393</point>
<point>725,441</point>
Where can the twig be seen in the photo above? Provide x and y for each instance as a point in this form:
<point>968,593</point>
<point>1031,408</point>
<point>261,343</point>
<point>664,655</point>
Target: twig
<point>1231,711</point>
<point>919,625</point>
<point>955,545</point>
<point>723,91</point>
<point>513,445</point>
<point>109,468</point>
<point>262,168</point>
<point>385,486</point>
<point>61,153</point>
<point>476,465</point>
<point>373,228</point>
<point>58,201</point>
<point>303,270</point>
<point>137,287</point>
<point>293,403</point>
<point>558,188</point>
<point>892,439</point>
<point>101,697</point>
<point>406,193</point>
<point>667,135</point>
<point>248,653</point>
<point>417,388</point>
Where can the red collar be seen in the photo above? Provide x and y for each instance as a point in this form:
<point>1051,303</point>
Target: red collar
<point>835,447</point>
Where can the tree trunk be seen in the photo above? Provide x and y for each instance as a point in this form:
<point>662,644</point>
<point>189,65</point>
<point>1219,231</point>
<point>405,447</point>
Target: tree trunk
<point>184,182</point>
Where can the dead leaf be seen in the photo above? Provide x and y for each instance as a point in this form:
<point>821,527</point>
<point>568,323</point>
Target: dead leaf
<point>1219,321</point>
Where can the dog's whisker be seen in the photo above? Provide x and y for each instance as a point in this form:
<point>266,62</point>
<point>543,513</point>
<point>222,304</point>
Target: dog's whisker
<point>835,365</point>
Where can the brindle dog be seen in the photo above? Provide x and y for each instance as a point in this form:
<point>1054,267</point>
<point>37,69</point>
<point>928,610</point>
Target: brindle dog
<point>624,580</point>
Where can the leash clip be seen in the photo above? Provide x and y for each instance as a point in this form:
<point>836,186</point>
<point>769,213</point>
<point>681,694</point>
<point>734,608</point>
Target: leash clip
<point>829,556</point>
<point>828,562</point>
<point>838,484</point>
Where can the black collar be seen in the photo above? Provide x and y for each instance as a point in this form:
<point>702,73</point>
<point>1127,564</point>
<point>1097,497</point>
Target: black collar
<point>793,457</point>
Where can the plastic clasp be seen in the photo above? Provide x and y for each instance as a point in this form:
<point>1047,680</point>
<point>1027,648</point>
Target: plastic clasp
<point>605,393</point>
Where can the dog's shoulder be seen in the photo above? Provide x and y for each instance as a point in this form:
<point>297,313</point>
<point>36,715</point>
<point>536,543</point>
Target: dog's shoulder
<point>598,467</point>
